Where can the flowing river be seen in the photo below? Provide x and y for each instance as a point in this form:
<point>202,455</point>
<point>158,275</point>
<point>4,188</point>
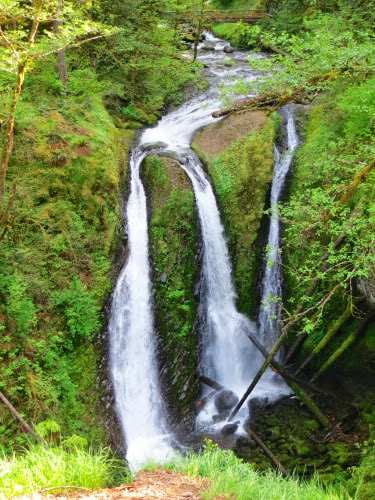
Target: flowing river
<point>227,354</point>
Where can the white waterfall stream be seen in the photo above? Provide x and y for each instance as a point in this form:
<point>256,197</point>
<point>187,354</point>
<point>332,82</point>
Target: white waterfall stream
<point>270,313</point>
<point>228,356</point>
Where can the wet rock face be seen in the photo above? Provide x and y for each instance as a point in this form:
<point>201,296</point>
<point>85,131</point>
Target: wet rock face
<point>225,400</point>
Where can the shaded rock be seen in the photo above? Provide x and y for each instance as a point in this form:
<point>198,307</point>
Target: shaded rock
<point>225,400</point>
<point>230,428</point>
<point>228,49</point>
<point>216,419</point>
<point>208,46</point>
<point>163,277</point>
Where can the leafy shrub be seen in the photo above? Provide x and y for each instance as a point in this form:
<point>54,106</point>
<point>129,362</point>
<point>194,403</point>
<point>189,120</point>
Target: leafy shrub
<point>79,308</point>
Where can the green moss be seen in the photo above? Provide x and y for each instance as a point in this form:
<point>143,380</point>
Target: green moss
<point>173,238</point>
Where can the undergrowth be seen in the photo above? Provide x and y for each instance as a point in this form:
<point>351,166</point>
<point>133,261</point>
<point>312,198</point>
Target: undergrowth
<point>230,477</point>
<point>55,467</point>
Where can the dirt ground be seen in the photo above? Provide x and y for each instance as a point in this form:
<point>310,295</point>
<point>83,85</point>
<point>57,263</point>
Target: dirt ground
<point>156,484</point>
<point>218,136</point>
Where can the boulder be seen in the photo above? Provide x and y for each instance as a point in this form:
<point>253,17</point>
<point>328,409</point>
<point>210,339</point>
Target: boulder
<point>208,46</point>
<point>228,49</point>
<point>230,428</point>
<point>225,400</point>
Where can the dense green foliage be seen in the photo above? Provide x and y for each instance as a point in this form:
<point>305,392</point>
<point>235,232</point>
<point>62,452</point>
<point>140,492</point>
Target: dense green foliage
<point>70,163</point>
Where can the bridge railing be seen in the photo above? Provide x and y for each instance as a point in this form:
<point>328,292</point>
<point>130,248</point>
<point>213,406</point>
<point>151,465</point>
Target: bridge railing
<point>220,15</point>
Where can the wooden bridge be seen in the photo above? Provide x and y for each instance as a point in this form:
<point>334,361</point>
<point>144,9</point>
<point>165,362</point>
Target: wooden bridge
<point>219,16</point>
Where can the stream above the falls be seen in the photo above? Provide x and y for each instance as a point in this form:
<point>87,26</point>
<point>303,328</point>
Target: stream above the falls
<point>228,356</point>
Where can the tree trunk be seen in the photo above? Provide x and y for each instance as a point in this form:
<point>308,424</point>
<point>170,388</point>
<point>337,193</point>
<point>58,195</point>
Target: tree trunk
<point>268,453</point>
<point>290,381</point>
<point>275,100</point>
<point>9,133</point>
<point>344,346</point>
<point>328,336</point>
<point>211,383</point>
<point>61,57</point>
<point>198,32</point>
<point>15,413</point>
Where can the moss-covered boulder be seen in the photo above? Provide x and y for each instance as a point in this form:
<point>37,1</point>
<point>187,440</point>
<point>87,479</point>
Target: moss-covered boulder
<point>173,244</point>
<point>238,153</point>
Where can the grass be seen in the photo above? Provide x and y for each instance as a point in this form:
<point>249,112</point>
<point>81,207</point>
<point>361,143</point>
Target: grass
<point>230,477</point>
<point>52,467</point>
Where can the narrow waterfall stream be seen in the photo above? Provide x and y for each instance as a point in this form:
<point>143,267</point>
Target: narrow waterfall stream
<point>228,356</point>
<point>132,344</point>
<point>270,313</point>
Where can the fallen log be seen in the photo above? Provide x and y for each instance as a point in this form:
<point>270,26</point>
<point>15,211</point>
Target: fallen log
<point>211,383</point>
<point>281,370</point>
<point>276,50</point>
<point>268,453</point>
<point>275,100</point>
<point>22,421</point>
<point>344,346</point>
<point>290,381</point>
<point>359,178</point>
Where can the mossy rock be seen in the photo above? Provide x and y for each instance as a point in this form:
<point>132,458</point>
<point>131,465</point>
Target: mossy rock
<point>174,239</point>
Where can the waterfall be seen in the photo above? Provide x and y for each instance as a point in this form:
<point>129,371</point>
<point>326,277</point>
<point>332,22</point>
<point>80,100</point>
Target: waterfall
<point>132,346</point>
<point>228,356</point>
<point>270,311</point>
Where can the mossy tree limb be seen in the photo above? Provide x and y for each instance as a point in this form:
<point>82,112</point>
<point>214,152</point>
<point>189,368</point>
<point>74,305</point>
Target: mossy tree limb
<point>17,415</point>
<point>290,381</point>
<point>344,346</point>
<point>328,336</point>
<point>268,453</point>
<point>275,100</point>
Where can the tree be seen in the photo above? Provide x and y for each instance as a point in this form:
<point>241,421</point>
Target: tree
<point>25,37</point>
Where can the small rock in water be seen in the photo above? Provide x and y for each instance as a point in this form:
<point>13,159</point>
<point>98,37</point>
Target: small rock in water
<point>216,419</point>
<point>163,277</point>
<point>225,400</point>
<point>208,46</point>
<point>228,49</point>
<point>230,428</point>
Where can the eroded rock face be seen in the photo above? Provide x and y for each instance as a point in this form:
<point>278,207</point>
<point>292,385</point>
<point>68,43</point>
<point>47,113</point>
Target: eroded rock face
<point>367,287</point>
<point>175,269</point>
<point>225,400</point>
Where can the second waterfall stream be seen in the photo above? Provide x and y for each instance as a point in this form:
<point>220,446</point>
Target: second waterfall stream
<point>227,354</point>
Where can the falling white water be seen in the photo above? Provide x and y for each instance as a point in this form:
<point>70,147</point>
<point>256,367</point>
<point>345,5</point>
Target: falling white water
<point>132,346</point>
<point>270,312</point>
<point>228,356</point>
